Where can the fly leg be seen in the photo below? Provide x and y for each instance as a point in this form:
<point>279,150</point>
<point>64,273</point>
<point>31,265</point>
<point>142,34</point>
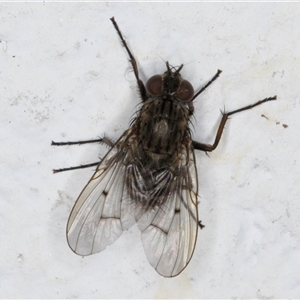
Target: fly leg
<point>132,60</point>
<point>75,168</point>
<point>207,85</point>
<point>190,103</point>
<point>105,140</point>
<point>209,147</point>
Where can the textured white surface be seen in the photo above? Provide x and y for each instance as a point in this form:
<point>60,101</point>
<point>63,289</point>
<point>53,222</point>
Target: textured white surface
<point>65,76</point>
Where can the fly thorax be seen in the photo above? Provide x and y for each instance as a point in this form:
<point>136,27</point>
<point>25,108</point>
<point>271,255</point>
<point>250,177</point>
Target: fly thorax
<point>162,126</point>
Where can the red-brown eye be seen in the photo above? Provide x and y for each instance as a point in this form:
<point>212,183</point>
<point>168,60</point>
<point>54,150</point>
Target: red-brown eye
<point>154,85</point>
<point>186,91</point>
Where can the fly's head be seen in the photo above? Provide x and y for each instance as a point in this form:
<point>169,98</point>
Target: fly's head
<point>171,86</point>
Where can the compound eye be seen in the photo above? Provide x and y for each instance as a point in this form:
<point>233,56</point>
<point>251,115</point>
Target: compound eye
<point>186,91</point>
<point>154,85</point>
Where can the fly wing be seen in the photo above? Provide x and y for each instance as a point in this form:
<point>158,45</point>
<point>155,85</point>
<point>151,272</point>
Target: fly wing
<point>96,220</point>
<point>169,231</point>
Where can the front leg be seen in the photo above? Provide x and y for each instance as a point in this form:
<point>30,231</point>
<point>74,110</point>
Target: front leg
<point>132,60</point>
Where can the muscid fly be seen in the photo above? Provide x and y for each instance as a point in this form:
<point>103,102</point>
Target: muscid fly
<point>148,176</point>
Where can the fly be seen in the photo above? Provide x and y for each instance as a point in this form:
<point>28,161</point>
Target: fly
<point>148,176</point>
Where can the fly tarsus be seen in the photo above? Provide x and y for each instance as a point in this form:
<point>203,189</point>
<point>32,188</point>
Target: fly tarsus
<point>207,85</point>
<point>75,168</point>
<point>105,140</point>
<point>251,105</point>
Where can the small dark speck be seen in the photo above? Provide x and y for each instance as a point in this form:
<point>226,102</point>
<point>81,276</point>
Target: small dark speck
<point>285,126</point>
<point>200,225</point>
<point>177,211</point>
<point>105,193</point>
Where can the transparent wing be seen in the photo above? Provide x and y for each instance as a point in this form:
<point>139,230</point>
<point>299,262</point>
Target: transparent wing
<point>169,231</point>
<point>96,220</point>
